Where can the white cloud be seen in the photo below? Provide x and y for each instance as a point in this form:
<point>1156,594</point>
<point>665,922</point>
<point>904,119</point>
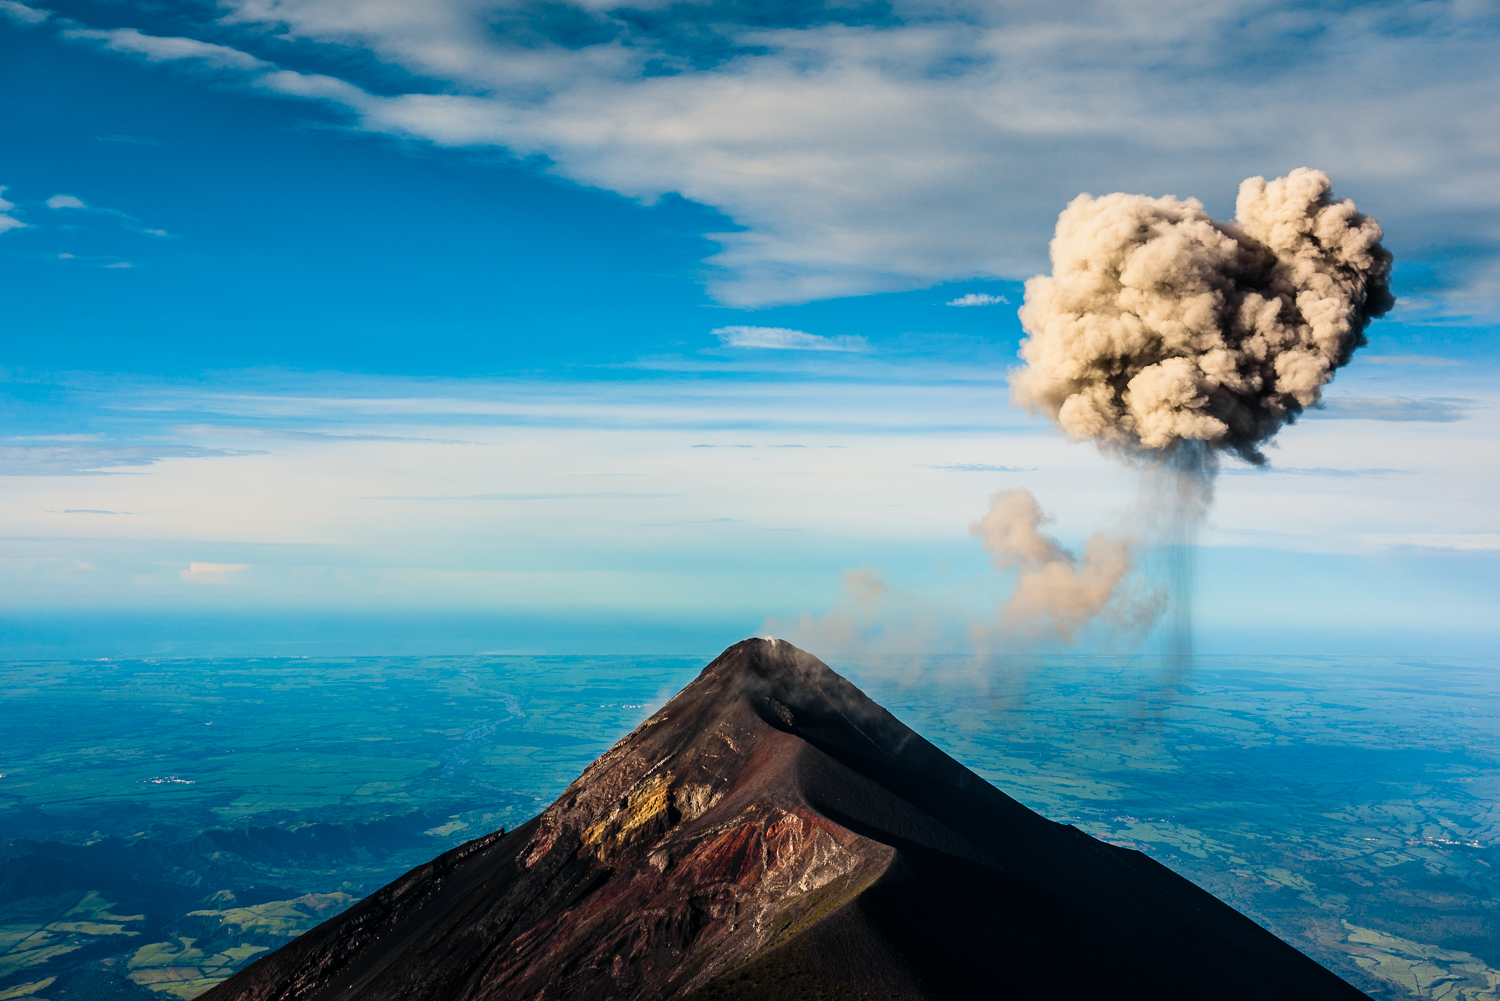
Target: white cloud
<point>1269,470</point>
<point>22,13</point>
<point>1439,410</point>
<point>1475,542</point>
<point>938,146</point>
<point>315,86</point>
<point>90,455</point>
<point>797,514</point>
<point>61,201</point>
<point>977,467</point>
<point>787,340</point>
<point>120,264</point>
<point>212,573</point>
<point>978,299</point>
<point>1428,361</point>
<point>159,49</point>
<point>862,158</point>
<point>64,257</point>
<point>8,221</point>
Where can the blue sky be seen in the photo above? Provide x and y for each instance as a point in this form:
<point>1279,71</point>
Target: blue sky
<point>467,326</point>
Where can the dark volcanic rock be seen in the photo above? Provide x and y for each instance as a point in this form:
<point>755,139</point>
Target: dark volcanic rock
<point>773,833</point>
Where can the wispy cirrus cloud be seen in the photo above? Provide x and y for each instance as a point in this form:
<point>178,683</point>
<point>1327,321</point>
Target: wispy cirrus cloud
<point>978,467</point>
<point>1461,542</point>
<point>8,221</point>
<point>1269,470</point>
<point>90,455</point>
<point>212,573</point>
<point>556,496</point>
<point>783,339</point>
<point>978,299</point>
<point>72,203</point>
<point>162,49</point>
<point>1441,410</point>
<point>1423,361</point>
<point>21,13</point>
<point>293,434</point>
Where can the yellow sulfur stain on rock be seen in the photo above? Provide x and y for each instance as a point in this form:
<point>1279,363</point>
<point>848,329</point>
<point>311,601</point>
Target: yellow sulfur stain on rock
<point>645,801</point>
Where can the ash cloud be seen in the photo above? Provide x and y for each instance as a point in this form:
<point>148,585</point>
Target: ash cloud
<point>1058,596</point>
<point>1160,326</point>
<point>1057,593</point>
<point>1167,337</point>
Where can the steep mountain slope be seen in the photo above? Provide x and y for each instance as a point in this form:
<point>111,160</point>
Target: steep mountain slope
<point>773,833</point>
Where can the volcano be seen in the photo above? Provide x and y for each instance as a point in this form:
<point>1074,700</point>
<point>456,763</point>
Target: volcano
<point>772,833</point>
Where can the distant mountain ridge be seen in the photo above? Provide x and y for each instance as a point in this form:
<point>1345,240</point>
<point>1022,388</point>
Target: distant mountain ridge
<point>773,833</point>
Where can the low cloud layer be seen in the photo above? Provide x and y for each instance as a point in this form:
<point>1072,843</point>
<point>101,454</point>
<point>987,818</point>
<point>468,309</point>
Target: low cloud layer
<point>799,512</point>
<point>979,467</point>
<point>1393,408</point>
<point>212,573</point>
<point>1344,474</point>
<point>978,299</point>
<point>780,338</point>
<point>86,455</point>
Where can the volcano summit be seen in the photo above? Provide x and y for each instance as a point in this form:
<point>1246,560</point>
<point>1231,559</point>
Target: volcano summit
<point>772,833</point>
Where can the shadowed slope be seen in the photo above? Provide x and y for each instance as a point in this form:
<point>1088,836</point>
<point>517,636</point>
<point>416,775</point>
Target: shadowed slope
<point>773,833</point>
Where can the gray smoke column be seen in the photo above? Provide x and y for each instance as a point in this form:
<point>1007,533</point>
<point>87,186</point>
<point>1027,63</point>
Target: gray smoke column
<point>1160,326</point>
